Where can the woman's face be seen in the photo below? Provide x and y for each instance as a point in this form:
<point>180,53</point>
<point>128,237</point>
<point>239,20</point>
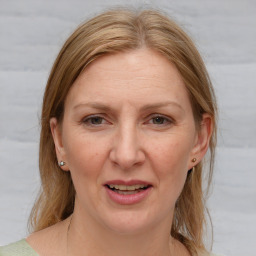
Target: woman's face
<point>128,137</point>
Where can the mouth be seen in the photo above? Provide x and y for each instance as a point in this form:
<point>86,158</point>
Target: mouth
<point>128,189</point>
<point>127,193</point>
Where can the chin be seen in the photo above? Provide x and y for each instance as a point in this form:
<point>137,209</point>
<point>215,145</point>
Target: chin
<point>127,223</point>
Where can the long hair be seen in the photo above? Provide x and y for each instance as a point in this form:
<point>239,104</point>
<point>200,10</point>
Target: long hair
<point>116,31</point>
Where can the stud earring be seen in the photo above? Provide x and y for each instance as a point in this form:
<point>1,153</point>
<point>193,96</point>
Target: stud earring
<point>61,163</point>
<point>194,160</point>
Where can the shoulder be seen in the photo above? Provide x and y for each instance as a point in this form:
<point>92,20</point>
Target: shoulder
<point>20,248</point>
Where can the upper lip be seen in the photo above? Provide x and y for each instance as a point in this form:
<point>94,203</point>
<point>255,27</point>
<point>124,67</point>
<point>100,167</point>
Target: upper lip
<point>128,182</point>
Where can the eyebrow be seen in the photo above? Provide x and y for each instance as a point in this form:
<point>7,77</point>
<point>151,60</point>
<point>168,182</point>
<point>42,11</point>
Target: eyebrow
<point>162,104</point>
<point>95,105</point>
<point>104,107</point>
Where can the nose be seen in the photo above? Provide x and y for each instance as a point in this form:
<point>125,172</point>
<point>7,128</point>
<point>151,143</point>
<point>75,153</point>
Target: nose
<point>127,151</point>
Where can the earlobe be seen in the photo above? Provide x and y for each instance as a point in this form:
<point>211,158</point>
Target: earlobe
<point>203,138</point>
<point>57,138</point>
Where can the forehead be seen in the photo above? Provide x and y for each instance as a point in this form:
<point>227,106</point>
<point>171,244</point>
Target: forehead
<point>136,76</point>
<point>137,64</point>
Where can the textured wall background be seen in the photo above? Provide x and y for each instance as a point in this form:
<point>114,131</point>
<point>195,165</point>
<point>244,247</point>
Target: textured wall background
<point>32,32</point>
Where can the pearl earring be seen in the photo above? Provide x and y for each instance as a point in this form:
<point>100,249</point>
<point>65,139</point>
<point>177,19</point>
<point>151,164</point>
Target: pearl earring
<point>61,163</point>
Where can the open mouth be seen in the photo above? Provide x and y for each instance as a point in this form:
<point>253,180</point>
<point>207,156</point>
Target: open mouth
<point>128,190</point>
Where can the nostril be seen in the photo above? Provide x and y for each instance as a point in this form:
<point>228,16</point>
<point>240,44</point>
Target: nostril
<point>127,158</point>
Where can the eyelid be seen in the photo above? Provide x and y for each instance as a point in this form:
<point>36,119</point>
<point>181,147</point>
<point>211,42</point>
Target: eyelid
<point>89,117</point>
<point>167,118</point>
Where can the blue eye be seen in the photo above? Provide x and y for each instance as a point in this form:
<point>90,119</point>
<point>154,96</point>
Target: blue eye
<point>160,120</point>
<point>93,120</point>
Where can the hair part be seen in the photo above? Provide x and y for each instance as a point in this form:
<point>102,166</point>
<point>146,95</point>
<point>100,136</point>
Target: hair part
<point>113,32</point>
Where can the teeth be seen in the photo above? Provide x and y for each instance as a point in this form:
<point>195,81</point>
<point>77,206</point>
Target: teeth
<point>124,187</point>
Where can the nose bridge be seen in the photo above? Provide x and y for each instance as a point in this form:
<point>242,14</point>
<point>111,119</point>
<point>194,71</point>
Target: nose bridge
<point>127,151</point>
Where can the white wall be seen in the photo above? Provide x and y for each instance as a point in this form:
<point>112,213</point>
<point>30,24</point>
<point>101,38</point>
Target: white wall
<point>32,32</point>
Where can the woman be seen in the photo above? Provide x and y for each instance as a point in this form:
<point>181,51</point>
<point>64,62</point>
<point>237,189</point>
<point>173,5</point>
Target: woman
<point>128,116</point>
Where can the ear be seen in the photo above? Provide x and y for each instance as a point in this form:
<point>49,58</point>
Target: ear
<point>202,141</point>
<point>57,138</point>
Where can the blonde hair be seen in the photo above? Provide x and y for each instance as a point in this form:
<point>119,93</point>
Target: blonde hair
<point>112,32</point>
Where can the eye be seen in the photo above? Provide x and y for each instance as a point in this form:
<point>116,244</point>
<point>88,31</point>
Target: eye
<point>94,120</point>
<point>160,120</point>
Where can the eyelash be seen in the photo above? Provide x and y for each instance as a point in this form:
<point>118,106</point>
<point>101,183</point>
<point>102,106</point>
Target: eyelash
<point>166,120</point>
<point>90,118</point>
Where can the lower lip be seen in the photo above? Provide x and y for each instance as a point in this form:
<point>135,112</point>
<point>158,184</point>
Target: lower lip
<point>128,199</point>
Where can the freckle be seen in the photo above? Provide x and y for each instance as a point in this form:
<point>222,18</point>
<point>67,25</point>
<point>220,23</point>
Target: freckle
<point>94,156</point>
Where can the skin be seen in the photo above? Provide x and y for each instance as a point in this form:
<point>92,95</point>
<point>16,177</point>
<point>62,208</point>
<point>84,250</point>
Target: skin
<point>127,116</point>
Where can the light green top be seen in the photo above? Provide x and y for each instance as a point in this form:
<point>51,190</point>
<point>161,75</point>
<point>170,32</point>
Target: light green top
<point>22,248</point>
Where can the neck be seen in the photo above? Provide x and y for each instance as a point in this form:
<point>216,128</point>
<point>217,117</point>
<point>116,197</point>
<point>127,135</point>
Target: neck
<point>85,238</point>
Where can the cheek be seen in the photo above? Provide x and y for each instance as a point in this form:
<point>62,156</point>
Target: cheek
<point>169,160</point>
<point>172,154</point>
<point>84,155</point>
